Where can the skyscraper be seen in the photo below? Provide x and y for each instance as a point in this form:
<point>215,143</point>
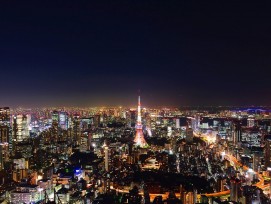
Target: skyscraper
<point>106,157</point>
<point>76,129</point>
<point>237,136</point>
<point>4,139</point>
<point>55,116</point>
<point>5,120</point>
<point>139,137</point>
<point>22,127</point>
<point>63,120</point>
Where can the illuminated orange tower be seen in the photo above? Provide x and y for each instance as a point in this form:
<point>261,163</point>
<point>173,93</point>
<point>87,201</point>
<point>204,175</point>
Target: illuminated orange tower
<point>139,137</point>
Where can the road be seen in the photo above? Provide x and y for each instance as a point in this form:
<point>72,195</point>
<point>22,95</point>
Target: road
<point>231,158</point>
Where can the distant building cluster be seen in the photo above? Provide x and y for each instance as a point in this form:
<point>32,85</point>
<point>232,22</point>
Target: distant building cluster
<point>135,155</point>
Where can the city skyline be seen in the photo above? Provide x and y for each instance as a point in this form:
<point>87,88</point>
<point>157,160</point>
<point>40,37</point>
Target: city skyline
<point>100,53</point>
<point>135,102</point>
<point>198,156</point>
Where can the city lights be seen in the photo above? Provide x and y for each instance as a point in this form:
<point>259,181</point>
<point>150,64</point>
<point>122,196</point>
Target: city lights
<point>135,102</point>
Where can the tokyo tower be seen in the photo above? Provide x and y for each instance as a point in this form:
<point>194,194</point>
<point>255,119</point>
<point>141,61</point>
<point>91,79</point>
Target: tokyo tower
<point>139,137</point>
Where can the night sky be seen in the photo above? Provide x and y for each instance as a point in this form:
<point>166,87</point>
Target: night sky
<point>94,53</point>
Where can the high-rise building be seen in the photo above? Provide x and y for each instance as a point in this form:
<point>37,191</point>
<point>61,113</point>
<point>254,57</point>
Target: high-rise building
<point>267,151</point>
<point>6,120</point>
<point>63,120</point>
<point>76,129</point>
<point>4,114</point>
<point>86,123</point>
<point>139,137</point>
<point>97,120</point>
<point>178,123</point>
<point>237,136</point>
<point>235,191</point>
<point>189,135</point>
<point>55,116</point>
<point>4,139</point>
<point>106,157</point>
<point>256,161</point>
<point>22,127</point>
<point>14,134</point>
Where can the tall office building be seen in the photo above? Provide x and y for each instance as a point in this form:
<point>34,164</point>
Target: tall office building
<point>76,129</point>
<point>55,116</point>
<point>63,120</point>
<point>139,137</point>
<point>237,135</point>
<point>106,158</point>
<point>267,150</point>
<point>97,120</point>
<point>4,139</point>
<point>6,120</point>
<point>23,132</point>
<point>189,135</point>
<point>14,134</point>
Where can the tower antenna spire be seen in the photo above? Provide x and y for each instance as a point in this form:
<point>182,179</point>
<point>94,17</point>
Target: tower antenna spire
<point>139,137</point>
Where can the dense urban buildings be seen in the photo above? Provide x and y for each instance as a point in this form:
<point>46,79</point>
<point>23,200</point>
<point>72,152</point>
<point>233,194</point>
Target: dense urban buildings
<point>143,155</point>
<point>135,102</point>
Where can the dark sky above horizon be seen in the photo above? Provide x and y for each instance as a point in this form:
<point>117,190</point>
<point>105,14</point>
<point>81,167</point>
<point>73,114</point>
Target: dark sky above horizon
<point>88,53</point>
